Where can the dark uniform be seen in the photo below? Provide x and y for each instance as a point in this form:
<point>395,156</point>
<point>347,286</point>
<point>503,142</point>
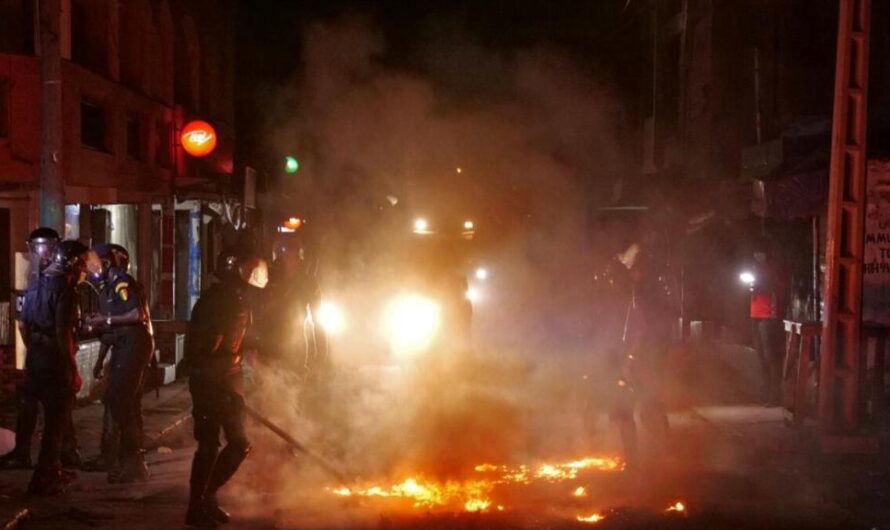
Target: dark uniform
<point>647,335</point>
<point>213,354</point>
<point>49,318</point>
<point>132,346</point>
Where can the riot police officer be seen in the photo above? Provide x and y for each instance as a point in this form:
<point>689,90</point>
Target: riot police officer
<point>47,324</point>
<point>126,320</point>
<point>72,255</point>
<point>213,354</point>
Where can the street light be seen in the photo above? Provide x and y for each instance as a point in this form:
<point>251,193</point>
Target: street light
<point>421,225</point>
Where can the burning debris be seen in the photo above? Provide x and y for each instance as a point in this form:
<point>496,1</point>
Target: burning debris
<point>677,507</point>
<point>592,518</point>
<point>475,495</point>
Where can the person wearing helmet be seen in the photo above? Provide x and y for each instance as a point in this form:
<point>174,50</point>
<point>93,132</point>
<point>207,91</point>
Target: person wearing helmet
<point>214,344</point>
<point>47,324</point>
<point>70,255</point>
<point>126,323</point>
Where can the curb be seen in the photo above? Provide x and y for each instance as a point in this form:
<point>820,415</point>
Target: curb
<point>17,519</point>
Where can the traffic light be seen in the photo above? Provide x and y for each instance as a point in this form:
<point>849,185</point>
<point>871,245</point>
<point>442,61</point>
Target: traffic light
<point>291,165</point>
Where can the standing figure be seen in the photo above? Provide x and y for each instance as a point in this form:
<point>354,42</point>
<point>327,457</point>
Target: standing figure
<point>91,305</point>
<point>125,318</point>
<point>47,324</point>
<point>286,334</point>
<point>213,354</point>
<point>73,257</point>
<point>646,338</point>
<point>769,296</point>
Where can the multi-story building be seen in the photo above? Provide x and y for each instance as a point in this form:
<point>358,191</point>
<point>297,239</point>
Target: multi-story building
<point>133,73</point>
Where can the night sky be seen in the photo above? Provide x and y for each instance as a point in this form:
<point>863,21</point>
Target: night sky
<point>424,37</point>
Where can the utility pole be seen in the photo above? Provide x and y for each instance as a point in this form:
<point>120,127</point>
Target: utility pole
<point>52,188</point>
<point>841,364</point>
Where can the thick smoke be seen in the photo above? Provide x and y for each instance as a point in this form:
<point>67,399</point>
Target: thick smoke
<point>537,149</point>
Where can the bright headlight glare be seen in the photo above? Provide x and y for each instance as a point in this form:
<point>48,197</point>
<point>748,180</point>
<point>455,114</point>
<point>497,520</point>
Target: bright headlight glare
<point>747,278</point>
<point>472,294</point>
<point>330,318</point>
<point>411,323</point>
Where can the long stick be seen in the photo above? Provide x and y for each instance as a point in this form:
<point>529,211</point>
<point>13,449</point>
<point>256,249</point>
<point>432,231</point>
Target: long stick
<point>294,443</point>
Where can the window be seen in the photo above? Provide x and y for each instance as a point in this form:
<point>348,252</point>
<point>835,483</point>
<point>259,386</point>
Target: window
<point>4,107</point>
<point>89,31</point>
<point>134,137</point>
<point>92,125</point>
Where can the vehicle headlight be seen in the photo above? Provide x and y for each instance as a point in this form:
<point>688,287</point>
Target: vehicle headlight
<point>411,323</point>
<point>330,317</point>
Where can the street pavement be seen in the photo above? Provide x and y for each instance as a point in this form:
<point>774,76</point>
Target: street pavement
<point>734,466</point>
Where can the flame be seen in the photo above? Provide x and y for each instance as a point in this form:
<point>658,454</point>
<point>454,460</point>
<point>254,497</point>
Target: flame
<point>592,518</point>
<point>477,505</point>
<point>677,507</point>
<point>474,495</point>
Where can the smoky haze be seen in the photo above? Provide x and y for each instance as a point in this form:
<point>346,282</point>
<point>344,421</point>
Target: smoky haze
<point>534,135</point>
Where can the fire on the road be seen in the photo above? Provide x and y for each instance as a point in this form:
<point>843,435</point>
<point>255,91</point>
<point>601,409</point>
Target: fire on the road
<point>592,518</point>
<point>677,507</point>
<point>474,495</point>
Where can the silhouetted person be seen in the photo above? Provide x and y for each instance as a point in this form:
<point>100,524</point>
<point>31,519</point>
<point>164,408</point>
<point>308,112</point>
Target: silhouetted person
<point>646,338</point>
<point>213,355</point>
<point>769,294</point>
<point>124,317</point>
<point>47,324</point>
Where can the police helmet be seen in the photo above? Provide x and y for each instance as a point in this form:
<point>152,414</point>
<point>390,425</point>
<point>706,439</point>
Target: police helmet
<point>227,264</point>
<point>235,265</point>
<point>42,244</point>
<point>120,257</point>
<point>112,257</point>
<point>71,255</point>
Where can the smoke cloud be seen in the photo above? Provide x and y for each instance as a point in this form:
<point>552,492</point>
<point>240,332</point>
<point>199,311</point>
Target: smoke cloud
<point>525,146</point>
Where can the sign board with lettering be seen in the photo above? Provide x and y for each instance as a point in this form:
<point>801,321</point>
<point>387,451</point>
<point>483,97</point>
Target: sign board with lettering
<point>876,266</point>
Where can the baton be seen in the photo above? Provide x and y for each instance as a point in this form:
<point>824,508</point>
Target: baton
<point>294,443</point>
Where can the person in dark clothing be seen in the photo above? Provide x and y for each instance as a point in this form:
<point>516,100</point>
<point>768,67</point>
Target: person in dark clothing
<point>47,324</point>
<point>646,336</point>
<point>73,256</point>
<point>769,297</point>
<point>127,321</point>
<point>108,457</point>
<point>213,355</point>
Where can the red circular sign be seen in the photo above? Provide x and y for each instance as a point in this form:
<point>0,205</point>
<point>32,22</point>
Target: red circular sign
<point>198,138</point>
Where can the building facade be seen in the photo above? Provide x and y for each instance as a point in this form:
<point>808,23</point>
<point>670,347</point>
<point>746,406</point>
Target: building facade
<point>134,72</point>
